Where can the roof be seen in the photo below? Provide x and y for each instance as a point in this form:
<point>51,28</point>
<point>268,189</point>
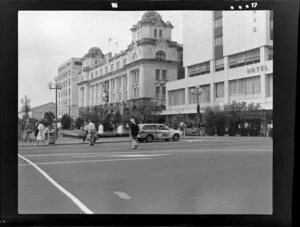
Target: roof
<point>36,107</point>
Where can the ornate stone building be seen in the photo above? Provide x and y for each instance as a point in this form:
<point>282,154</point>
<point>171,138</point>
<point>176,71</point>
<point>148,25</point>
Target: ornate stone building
<point>136,75</point>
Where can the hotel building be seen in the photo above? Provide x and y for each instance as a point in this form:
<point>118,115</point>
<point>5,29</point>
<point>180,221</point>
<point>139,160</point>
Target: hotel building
<point>229,54</point>
<point>67,97</point>
<point>135,75</point>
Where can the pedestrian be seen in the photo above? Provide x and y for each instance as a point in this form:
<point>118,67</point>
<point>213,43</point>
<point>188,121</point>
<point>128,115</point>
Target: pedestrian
<point>92,132</point>
<point>270,129</point>
<point>36,131</point>
<point>28,131</point>
<point>41,134</point>
<point>85,128</point>
<point>134,128</point>
<point>47,130</point>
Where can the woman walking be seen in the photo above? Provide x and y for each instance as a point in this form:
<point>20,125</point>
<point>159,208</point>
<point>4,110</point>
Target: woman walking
<point>134,128</point>
<point>41,134</point>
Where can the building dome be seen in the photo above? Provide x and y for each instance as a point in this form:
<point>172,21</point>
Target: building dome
<point>95,50</point>
<point>151,15</point>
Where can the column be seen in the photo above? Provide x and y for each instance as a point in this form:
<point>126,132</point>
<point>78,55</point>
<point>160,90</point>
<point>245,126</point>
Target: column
<point>263,57</point>
<point>212,87</point>
<point>226,83</point>
<point>186,87</point>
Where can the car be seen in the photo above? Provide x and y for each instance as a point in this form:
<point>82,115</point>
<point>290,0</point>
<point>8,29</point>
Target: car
<point>150,132</point>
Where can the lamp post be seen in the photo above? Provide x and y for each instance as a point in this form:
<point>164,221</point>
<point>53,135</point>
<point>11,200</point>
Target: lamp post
<point>55,86</point>
<point>197,91</point>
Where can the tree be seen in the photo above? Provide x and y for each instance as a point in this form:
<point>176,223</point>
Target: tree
<point>66,121</point>
<point>49,116</point>
<point>79,122</point>
<point>25,108</point>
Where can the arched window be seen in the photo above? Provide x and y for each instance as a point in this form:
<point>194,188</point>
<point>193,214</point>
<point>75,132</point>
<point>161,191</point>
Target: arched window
<point>160,55</point>
<point>134,57</point>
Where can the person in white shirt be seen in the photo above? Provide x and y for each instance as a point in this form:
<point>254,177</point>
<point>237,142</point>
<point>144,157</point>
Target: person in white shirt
<point>41,134</point>
<point>92,132</point>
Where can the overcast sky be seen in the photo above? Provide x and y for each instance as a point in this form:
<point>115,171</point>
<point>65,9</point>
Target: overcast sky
<point>49,38</point>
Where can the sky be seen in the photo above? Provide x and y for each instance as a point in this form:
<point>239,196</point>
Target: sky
<point>46,39</point>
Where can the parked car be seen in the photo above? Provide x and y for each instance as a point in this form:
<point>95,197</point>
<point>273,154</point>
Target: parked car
<point>150,132</point>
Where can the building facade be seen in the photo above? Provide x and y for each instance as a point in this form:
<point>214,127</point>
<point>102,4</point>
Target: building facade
<point>136,74</point>
<point>38,112</point>
<point>229,54</point>
<point>67,97</point>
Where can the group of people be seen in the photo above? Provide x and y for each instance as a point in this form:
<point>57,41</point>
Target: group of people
<point>41,132</point>
<point>90,132</point>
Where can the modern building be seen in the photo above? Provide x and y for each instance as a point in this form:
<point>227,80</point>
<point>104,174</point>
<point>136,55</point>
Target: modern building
<point>67,97</point>
<point>229,54</point>
<point>134,75</point>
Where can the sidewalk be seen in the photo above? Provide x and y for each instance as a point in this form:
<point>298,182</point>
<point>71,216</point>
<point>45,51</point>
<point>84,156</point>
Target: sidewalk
<point>74,140</point>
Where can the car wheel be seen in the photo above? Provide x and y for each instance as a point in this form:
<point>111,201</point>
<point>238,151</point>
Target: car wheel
<point>176,137</point>
<point>149,138</point>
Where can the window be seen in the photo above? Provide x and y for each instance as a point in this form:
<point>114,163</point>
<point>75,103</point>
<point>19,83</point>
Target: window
<point>164,76</point>
<point>77,63</point>
<point>69,91</point>
<point>134,57</point>
<point>203,98</point>
<point>137,92</point>
<point>135,76</point>
<point>69,82</point>
<point>155,33</point>
<point>124,61</point>
<point>244,86</point>
<point>101,72</point>
<point>252,57</point>
<point>111,67</point>
<point>160,56</point>
<point>157,75</point>
<point>92,76</point>
<point>118,65</point>
<point>219,65</point>
<point>106,69</point>
<point>199,69</point>
<point>120,96</point>
<point>96,73</point>
<point>219,90</point>
<point>270,53</point>
<point>176,97</point>
<point>164,92</point>
<point>219,41</point>
<point>160,33</point>
<point>69,101</point>
<point>245,58</point>
<point>157,90</point>
<point>218,22</point>
<point>269,85</point>
<point>149,127</point>
<point>119,83</point>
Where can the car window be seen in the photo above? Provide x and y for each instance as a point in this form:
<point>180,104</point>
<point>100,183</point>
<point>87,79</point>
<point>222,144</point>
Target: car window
<point>161,127</point>
<point>149,127</point>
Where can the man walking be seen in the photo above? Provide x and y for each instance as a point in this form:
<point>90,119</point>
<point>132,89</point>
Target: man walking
<point>28,131</point>
<point>134,128</point>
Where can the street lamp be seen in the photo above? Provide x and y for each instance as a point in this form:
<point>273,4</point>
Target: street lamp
<point>197,91</point>
<point>55,86</point>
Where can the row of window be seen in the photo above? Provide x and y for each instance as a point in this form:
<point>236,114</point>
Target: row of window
<point>160,56</point>
<point>64,102</point>
<point>64,93</point>
<point>241,59</point>
<point>64,75</point>
<point>157,33</point>
<point>238,87</point>
<point>64,111</point>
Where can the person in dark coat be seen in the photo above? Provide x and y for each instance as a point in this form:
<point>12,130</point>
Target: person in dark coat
<point>134,129</point>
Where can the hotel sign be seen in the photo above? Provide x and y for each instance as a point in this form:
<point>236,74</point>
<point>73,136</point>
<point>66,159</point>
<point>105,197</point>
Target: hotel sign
<point>257,69</point>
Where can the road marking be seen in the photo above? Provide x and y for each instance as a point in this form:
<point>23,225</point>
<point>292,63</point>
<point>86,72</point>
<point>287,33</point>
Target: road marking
<point>122,195</point>
<point>63,190</point>
<point>81,161</point>
<point>126,155</point>
<point>133,152</point>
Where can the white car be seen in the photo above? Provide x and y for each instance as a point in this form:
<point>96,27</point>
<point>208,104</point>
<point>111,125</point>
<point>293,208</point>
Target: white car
<point>150,132</point>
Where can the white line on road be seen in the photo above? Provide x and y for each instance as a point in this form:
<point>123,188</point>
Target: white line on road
<point>63,190</point>
<point>82,161</point>
<point>126,155</point>
<point>122,195</point>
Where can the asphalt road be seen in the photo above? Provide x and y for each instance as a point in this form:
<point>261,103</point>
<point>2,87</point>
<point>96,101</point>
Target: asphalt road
<point>197,176</point>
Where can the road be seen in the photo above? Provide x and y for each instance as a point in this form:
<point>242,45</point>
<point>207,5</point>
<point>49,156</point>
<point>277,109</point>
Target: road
<point>196,176</point>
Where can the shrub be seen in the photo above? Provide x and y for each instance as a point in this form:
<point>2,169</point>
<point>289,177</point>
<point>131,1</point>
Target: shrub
<point>66,121</point>
<point>79,122</point>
